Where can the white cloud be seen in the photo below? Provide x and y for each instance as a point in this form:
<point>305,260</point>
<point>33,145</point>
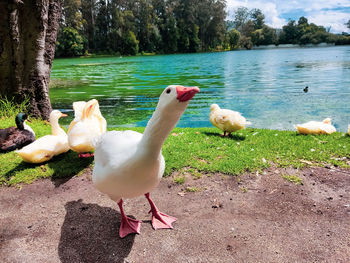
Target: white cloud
<point>321,12</point>
<point>269,9</point>
<point>310,5</point>
<point>335,20</point>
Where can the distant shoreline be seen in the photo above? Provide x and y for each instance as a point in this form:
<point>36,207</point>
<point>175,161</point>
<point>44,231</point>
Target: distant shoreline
<point>293,46</point>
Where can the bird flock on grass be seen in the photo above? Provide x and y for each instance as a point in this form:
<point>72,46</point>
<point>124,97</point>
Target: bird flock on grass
<point>127,163</point>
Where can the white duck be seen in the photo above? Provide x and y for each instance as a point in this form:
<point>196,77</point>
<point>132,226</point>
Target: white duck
<point>129,164</point>
<point>226,120</point>
<point>316,127</point>
<point>44,148</point>
<point>87,124</point>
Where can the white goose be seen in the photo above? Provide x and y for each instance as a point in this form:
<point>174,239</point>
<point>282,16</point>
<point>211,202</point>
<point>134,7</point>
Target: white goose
<point>129,164</point>
<point>87,124</point>
<point>48,146</point>
<point>227,120</point>
<point>316,127</point>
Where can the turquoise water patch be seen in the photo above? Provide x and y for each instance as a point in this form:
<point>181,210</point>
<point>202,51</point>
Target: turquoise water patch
<point>266,86</point>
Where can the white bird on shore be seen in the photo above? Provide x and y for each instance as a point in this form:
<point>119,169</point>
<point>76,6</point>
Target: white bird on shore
<point>87,124</point>
<point>46,147</point>
<point>129,164</point>
<point>227,120</point>
<point>316,127</point>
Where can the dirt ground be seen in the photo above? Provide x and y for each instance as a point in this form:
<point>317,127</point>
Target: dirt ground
<point>251,218</point>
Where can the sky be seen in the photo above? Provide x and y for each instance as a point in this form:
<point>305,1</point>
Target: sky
<point>327,13</point>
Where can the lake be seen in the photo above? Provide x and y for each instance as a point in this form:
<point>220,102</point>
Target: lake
<point>265,85</point>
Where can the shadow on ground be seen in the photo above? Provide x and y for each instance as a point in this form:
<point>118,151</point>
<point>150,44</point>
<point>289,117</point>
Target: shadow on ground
<point>90,234</point>
<point>61,168</point>
<point>235,137</point>
<point>66,166</point>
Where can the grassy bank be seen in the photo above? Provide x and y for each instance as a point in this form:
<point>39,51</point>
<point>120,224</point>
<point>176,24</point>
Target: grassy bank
<point>202,150</point>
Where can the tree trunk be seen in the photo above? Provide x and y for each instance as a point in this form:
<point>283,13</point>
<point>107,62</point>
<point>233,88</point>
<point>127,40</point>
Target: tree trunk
<point>28,31</point>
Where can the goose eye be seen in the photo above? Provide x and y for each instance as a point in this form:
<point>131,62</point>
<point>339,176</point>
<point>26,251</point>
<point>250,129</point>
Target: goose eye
<point>168,91</point>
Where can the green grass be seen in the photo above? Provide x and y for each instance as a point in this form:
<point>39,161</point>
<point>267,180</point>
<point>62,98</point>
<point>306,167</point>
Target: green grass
<point>200,151</point>
<point>179,179</point>
<point>205,150</point>
<point>293,179</point>
<point>13,170</point>
<point>195,174</point>
<point>9,109</point>
<point>192,189</point>
<point>243,189</point>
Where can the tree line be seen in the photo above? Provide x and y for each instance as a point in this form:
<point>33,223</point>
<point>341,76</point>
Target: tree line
<point>251,29</point>
<point>173,26</point>
<point>140,26</point>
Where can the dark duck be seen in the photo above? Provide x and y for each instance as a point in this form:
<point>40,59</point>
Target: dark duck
<point>13,138</point>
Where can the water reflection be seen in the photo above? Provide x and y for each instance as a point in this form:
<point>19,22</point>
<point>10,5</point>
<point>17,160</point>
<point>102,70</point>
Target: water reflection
<point>266,86</point>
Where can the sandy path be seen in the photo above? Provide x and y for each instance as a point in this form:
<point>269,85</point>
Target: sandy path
<point>262,218</point>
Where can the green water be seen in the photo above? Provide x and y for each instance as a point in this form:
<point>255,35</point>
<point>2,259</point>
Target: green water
<point>266,86</point>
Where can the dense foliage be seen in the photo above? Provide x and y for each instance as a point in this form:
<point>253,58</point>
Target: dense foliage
<point>254,31</point>
<point>173,26</point>
<point>141,26</point>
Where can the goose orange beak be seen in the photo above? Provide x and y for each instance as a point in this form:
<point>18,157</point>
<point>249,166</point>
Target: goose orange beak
<point>64,115</point>
<point>186,93</point>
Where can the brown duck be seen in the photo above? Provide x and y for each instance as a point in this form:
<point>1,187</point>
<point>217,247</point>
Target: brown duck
<point>13,138</point>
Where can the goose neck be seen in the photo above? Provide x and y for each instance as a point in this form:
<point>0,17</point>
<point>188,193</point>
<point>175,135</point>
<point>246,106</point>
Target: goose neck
<point>56,129</point>
<point>158,129</point>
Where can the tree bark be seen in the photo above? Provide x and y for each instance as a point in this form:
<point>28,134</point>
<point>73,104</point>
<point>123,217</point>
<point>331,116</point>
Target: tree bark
<point>28,31</point>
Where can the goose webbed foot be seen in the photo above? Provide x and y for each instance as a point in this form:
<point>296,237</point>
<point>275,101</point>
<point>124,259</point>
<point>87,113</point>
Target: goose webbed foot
<point>159,219</point>
<point>86,155</point>
<point>226,134</point>
<point>128,225</point>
